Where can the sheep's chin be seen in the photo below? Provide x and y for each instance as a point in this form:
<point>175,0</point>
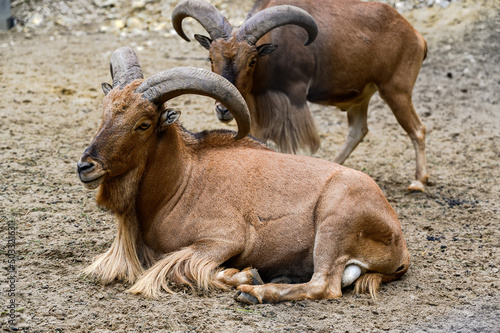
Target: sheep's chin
<point>92,185</point>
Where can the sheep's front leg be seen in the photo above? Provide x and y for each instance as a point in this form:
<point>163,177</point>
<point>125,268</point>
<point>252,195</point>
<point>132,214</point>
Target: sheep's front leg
<point>234,277</point>
<point>198,264</point>
<point>120,262</point>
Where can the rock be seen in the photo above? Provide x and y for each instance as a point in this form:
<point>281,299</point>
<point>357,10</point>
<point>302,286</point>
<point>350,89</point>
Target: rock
<point>104,3</point>
<point>138,15</point>
<point>35,20</point>
<point>138,4</point>
<point>402,6</point>
<point>135,23</point>
<point>159,26</point>
<point>443,3</point>
<point>117,24</point>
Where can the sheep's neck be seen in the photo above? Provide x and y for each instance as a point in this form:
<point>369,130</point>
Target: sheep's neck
<point>165,177</point>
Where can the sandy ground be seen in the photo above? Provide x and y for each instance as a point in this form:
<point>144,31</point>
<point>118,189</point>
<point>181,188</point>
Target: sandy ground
<point>51,109</point>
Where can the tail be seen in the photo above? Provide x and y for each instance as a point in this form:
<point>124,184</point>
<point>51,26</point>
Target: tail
<point>370,283</point>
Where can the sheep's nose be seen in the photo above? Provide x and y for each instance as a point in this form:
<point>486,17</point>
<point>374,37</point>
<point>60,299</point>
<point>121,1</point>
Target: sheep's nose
<point>223,113</point>
<point>84,166</point>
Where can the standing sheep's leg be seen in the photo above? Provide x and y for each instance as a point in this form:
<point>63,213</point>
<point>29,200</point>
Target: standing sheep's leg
<point>402,107</point>
<point>358,128</point>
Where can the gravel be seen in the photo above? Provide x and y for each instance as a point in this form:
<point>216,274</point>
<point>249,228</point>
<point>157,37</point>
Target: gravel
<point>135,17</point>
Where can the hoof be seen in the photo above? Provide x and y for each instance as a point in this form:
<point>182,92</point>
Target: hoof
<point>256,280</point>
<point>416,186</point>
<point>246,298</point>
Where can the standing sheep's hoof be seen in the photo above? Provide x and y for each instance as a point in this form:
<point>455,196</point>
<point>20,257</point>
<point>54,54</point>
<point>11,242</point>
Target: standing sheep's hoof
<point>416,186</point>
<point>245,298</point>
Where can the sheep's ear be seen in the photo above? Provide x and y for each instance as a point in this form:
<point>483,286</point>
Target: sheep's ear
<point>203,40</point>
<point>265,49</point>
<point>168,117</point>
<point>106,88</point>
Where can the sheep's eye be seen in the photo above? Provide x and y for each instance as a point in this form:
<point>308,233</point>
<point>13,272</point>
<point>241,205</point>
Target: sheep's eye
<point>143,126</point>
<point>211,60</point>
<point>252,63</point>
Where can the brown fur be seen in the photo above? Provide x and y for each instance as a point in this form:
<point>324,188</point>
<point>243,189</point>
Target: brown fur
<point>361,47</point>
<point>181,267</point>
<point>190,204</point>
<point>368,284</point>
<point>293,127</point>
<point>217,139</point>
<point>121,261</point>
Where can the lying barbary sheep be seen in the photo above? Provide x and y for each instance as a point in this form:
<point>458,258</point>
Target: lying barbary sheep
<point>211,209</point>
<point>353,49</point>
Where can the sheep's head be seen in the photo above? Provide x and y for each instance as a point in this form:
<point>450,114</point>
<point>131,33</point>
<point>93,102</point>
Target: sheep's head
<point>127,118</point>
<point>135,114</point>
<point>236,61</point>
<point>234,53</point>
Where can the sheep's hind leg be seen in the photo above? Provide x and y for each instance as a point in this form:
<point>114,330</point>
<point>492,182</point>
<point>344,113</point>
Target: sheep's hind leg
<point>358,128</point>
<point>402,107</point>
<point>330,262</point>
<point>319,287</point>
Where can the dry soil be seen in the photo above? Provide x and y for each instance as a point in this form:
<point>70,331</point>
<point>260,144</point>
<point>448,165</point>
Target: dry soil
<point>51,109</point>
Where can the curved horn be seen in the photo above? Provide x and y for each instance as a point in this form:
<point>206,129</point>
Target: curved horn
<point>124,67</point>
<point>190,80</point>
<point>264,21</point>
<point>206,14</point>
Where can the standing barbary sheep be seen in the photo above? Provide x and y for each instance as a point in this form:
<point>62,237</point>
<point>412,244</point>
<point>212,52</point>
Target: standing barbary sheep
<point>204,209</point>
<point>359,48</point>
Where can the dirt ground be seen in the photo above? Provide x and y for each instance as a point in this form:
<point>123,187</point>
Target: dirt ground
<point>51,109</point>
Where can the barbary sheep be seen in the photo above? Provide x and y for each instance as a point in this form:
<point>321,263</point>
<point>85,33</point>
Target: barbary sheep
<point>217,209</point>
<point>352,49</point>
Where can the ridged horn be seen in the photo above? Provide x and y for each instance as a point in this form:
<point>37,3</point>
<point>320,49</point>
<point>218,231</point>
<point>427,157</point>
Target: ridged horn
<point>266,20</point>
<point>190,80</point>
<point>206,14</point>
<point>124,67</point>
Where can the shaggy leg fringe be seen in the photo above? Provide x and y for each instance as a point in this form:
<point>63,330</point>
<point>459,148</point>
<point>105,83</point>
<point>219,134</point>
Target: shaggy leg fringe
<point>182,267</point>
<point>368,284</point>
<point>120,262</point>
<point>147,256</point>
<point>290,126</point>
